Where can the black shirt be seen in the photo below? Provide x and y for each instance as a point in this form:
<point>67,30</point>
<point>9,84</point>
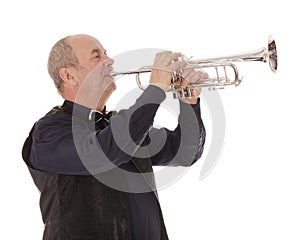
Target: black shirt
<point>54,149</point>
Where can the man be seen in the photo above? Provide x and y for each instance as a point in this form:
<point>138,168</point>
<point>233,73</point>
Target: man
<point>94,169</point>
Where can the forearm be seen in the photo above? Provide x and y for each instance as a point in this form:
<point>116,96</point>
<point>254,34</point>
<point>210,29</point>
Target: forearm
<point>184,145</point>
<point>193,133</point>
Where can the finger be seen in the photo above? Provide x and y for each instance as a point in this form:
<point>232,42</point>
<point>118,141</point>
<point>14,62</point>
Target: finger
<point>159,57</point>
<point>190,75</point>
<point>174,56</point>
<point>187,72</point>
<point>203,75</point>
<point>171,58</point>
<point>176,66</point>
<point>196,76</point>
<point>166,58</point>
<point>184,82</point>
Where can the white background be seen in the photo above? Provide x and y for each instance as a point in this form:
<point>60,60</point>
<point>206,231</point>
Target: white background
<point>253,192</point>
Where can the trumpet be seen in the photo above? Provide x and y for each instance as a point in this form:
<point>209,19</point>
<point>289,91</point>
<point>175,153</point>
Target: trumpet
<point>220,66</point>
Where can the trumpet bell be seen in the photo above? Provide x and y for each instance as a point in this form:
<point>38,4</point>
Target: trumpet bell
<point>272,53</point>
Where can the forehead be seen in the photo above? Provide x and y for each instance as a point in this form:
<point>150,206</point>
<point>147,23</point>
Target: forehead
<point>83,45</point>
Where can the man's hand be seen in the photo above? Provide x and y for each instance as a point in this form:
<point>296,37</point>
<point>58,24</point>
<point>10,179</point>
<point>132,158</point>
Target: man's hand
<point>191,76</point>
<point>165,64</point>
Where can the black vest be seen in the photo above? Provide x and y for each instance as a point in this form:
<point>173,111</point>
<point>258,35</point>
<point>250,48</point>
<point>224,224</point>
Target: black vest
<point>77,207</point>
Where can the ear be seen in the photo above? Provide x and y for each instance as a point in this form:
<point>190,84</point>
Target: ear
<point>67,76</point>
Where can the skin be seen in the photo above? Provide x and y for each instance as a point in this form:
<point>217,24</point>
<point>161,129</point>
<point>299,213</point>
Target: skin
<point>91,85</point>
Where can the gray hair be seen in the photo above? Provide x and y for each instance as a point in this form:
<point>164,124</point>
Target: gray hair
<point>61,55</point>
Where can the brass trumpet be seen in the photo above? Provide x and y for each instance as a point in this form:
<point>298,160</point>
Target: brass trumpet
<point>265,54</point>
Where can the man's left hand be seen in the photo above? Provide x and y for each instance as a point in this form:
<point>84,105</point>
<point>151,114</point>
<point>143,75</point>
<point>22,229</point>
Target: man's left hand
<point>191,76</point>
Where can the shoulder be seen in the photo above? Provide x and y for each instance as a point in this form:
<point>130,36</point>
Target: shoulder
<point>53,123</point>
<point>55,117</point>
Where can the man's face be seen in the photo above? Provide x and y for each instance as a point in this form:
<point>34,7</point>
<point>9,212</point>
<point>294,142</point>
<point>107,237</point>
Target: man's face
<point>89,53</point>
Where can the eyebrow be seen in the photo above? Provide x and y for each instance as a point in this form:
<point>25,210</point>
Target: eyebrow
<point>97,50</point>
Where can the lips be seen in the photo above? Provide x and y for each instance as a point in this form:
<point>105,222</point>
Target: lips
<point>107,71</point>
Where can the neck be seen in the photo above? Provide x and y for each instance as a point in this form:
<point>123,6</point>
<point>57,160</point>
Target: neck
<point>100,105</point>
<point>89,102</point>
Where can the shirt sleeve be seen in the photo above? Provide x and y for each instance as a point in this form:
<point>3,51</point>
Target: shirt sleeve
<point>63,145</point>
<point>129,128</point>
<point>183,146</point>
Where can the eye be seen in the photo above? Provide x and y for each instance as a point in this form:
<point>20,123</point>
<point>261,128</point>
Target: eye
<point>96,57</point>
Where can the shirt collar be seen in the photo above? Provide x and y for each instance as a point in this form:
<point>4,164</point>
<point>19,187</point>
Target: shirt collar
<point>85,113</point>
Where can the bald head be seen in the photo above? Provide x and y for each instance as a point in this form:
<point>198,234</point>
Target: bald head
<point>84,46</point>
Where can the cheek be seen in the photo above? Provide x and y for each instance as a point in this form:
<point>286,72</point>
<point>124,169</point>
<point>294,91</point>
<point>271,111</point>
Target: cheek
<point>81,76</point>
<point>83,71</point>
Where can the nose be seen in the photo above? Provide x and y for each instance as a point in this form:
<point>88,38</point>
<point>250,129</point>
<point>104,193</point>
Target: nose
<point>108,62</point>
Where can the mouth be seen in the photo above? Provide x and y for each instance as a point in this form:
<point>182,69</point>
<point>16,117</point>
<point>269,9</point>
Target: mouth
<point>112,74</point>
<point>108,71</point>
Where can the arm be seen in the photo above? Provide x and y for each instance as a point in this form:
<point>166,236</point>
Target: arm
<point>70,146</point>
<point>129,128</point>
<point>183,146</point>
